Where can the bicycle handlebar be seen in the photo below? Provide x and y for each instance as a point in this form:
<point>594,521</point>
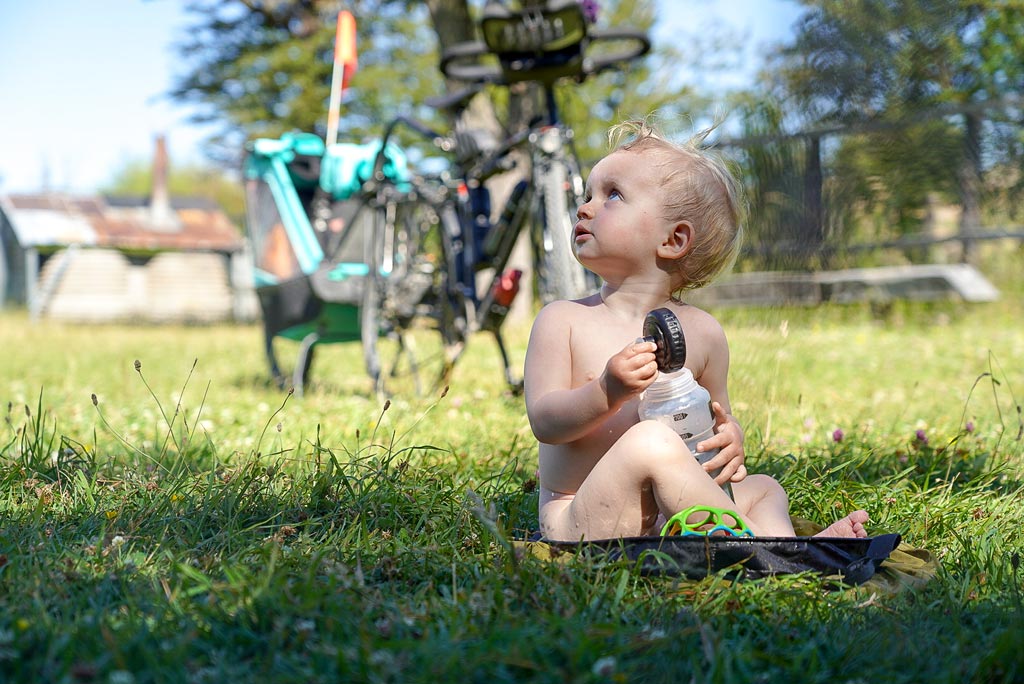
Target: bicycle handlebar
<point>469,73</point>
<point>455,67</point>
<point>419,127</point>
<point>377,175</point>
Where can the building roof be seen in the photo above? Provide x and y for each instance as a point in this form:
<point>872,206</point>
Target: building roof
<point>56,220</point>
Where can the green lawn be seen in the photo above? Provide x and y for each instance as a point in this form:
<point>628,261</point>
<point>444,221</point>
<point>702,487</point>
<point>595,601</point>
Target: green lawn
<point>194,523</point>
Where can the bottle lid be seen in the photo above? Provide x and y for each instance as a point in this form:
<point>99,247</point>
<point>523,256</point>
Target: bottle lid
<point>662,327</point>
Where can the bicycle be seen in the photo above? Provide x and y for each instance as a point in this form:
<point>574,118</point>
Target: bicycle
<point>438,236</point>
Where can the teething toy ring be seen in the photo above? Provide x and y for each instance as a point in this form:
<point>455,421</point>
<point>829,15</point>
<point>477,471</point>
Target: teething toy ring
<point>716,517</point>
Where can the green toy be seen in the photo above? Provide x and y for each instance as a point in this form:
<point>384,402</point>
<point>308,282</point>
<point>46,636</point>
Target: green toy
<point>716,517</point>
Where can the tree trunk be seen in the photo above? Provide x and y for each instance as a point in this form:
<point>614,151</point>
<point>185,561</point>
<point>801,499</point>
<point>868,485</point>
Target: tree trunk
<point>451,20</point>
<point>969,177</point>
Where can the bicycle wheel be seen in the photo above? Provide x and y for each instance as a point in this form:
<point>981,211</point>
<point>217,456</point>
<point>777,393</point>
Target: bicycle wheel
<point>413,324</point>
<point>559,274</point>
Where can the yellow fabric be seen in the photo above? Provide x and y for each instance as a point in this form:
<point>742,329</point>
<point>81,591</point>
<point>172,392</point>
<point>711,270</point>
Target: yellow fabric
<point>907,567</point>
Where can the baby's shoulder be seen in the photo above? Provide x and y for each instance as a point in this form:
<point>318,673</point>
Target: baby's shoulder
<point>569,310</point>
<point>697,321</point>
<point>694,314</point>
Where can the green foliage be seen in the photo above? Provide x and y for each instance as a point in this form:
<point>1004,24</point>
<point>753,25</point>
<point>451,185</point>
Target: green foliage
<point>872,173</point>
<point>262,69</point>
<point>928,90</point>
<point>853,61</point>
<point>773,167</point>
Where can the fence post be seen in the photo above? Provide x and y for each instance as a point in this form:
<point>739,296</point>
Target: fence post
<point>812,228</point>
<point>969,176</point>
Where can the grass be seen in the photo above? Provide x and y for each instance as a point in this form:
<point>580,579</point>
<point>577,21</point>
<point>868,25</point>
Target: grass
<point>194,523</point>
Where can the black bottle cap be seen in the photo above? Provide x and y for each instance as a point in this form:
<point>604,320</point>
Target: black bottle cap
<point>662,327</point>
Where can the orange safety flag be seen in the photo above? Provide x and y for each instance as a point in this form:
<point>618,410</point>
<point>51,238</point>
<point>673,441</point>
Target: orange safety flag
<point>345,64</point>
<point>345,47</point>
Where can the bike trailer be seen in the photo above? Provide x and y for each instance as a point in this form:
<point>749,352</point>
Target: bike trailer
<point>310,281</point>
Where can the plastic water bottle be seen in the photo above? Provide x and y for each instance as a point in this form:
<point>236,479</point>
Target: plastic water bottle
<point>677,400</point>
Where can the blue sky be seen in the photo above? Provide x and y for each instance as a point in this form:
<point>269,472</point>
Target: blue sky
<point>82,82</point>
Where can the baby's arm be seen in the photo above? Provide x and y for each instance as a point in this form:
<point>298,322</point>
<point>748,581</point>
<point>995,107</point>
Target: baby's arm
<point>728,432</point>
<point>561,413</point>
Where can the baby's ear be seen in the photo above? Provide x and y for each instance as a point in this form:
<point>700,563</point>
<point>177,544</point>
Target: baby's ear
<point>677,242</point>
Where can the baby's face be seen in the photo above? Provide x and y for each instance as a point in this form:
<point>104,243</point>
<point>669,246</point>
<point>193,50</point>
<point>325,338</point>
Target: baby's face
<point>622,222</point>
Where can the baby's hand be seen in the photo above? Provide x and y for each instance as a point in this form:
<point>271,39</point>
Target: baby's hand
<point>729,439</point>
<point>629,372</point>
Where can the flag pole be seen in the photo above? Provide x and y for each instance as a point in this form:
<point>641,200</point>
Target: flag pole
<point>344,66</point>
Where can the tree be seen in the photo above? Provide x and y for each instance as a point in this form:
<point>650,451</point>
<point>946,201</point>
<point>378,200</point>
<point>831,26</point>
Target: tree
<point>781,230</point>
<point>879,64</point>
<point>263,67</point>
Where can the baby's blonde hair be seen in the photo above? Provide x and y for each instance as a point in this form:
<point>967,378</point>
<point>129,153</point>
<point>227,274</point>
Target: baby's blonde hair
<point>698,188</point>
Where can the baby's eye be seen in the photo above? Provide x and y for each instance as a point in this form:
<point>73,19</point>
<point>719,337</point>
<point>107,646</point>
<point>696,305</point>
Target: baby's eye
<point>614,194</point>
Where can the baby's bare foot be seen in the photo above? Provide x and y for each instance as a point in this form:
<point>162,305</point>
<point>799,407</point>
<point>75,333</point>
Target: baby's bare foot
<point>850,526</point>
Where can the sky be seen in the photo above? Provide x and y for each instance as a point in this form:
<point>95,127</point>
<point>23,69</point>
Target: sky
<point>83,83</point>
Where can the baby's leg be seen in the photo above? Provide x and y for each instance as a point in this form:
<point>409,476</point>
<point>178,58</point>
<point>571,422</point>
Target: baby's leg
<point>647,471</point>
<point>767,508</point>
<point>764,504</point>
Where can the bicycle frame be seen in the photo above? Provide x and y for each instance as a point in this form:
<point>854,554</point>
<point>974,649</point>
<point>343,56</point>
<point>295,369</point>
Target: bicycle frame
<point>544,44</point>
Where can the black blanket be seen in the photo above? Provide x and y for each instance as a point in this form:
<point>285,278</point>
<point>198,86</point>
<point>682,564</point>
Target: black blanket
<point>852,561</point>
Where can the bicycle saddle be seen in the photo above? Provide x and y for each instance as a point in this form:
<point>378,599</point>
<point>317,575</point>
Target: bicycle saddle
<point>543,43</point>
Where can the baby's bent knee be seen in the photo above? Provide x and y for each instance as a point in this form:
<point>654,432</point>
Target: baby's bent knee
<point>765,486</point>
<point>653,435</point>
<point>651,430</point>
<point>656,444</point>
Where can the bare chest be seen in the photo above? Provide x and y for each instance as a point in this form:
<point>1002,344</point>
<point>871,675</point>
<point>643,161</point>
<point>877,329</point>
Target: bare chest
<point>594,342</point>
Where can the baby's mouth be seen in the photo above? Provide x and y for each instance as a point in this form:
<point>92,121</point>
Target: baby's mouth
<point>579,231</point>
